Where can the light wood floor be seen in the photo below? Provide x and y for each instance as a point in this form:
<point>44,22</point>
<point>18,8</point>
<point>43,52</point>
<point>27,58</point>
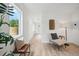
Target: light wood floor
<point>46,49</point>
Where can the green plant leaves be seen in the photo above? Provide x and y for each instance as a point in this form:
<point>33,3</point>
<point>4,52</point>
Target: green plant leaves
<point>9,54</point>
<point>4,54</point>
<point>5,38</point>
<point>6,9</point>
<point>3,5</point>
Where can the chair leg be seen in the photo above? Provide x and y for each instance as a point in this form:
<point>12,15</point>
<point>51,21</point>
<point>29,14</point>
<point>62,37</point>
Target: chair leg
<point>24,54</point>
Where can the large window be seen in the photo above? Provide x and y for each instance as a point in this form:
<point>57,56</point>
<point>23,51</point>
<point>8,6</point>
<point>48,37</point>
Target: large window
<point>16,25</point>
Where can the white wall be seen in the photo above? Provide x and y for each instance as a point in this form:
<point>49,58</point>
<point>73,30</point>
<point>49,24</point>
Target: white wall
<point>71,18</point>
<point>73,34</point>
<point>34,24</point>
<point>29,17</point>
<point>45,25</point>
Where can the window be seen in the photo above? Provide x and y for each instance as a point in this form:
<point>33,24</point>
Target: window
<point>16,25</point>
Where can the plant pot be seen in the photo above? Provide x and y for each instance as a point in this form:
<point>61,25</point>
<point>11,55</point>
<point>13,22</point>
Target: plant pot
<point>13,30</point>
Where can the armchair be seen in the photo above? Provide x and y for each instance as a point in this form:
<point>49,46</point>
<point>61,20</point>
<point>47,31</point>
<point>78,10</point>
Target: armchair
<point>56,40</point>
<point>21,47</point>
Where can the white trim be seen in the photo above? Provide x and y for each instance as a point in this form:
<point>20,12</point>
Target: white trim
<point>18,36</point>
<point>20,22</point>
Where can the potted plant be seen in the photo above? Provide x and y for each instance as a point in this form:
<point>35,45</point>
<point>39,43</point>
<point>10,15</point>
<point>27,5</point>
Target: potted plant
<point>5,10</point>
<point>5,38</point>
<point>14,27</point>
<point>9,54</point>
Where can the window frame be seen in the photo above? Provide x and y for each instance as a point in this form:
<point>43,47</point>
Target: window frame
<point>20,34</point>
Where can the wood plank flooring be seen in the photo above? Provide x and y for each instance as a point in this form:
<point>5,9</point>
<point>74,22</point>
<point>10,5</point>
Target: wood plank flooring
<point>46,49</point>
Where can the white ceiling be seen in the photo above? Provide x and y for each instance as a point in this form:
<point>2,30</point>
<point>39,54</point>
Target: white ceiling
<point>55,10</point>
<point>52,7</point>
